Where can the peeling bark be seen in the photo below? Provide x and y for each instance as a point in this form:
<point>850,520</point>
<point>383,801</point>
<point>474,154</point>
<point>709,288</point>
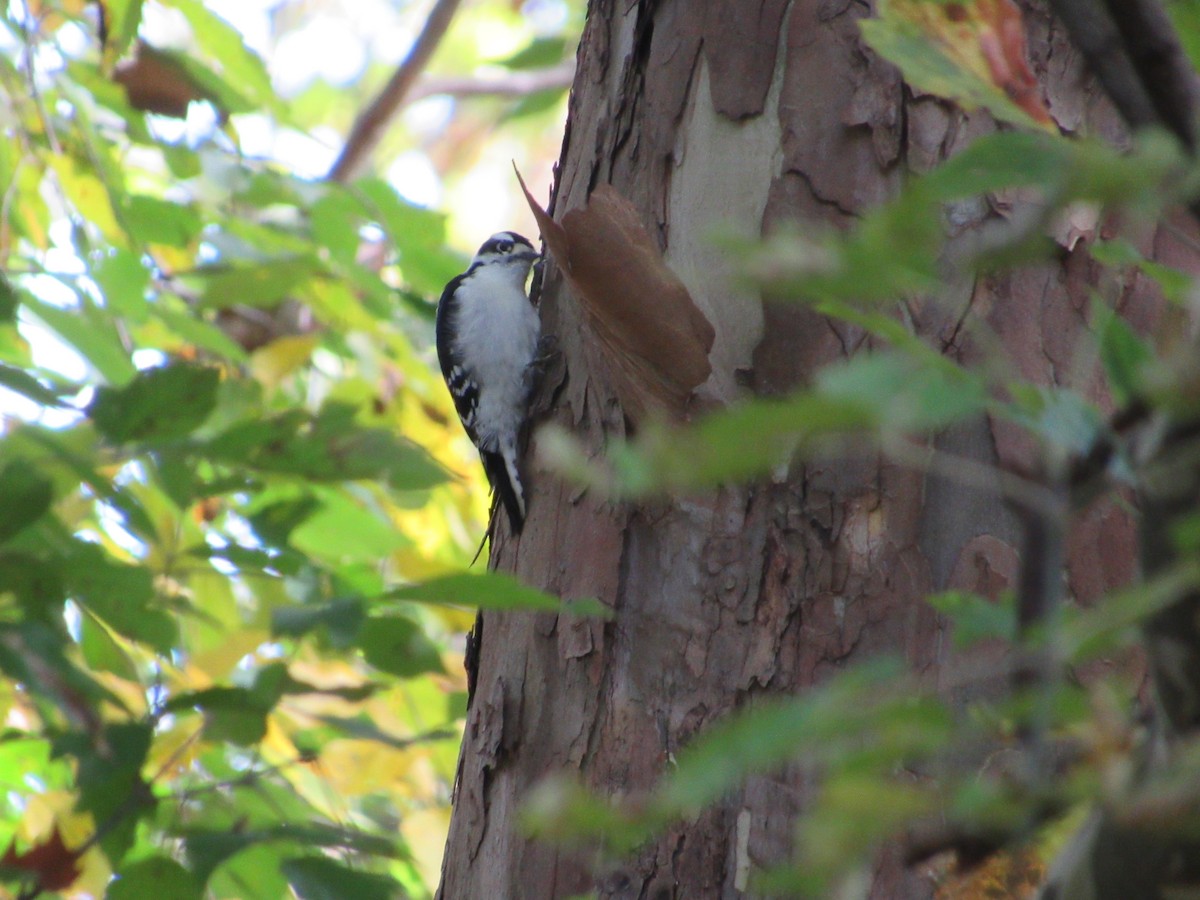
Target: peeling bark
<point>772,587</point>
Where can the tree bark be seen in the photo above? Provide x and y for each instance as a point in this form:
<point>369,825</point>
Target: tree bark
<point>748,114</point>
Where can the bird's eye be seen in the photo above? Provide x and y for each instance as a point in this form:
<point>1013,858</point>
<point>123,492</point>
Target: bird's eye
<point>504,247</point>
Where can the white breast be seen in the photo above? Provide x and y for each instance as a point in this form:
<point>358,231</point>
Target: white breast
<point>498,332</point>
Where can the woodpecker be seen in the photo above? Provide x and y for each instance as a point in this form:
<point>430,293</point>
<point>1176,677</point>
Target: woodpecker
<point>487,339</point>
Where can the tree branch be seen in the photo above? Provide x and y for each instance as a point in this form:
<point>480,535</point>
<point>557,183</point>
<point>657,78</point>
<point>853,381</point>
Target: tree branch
<point>371,122</point>
<point>1132,48</point>
<point>511,84</point>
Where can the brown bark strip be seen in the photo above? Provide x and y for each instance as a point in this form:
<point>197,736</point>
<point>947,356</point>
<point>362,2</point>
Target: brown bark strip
<point>741,42</point>
<point>655,340</point>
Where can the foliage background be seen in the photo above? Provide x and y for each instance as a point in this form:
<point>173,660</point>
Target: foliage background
<point>225,446</point>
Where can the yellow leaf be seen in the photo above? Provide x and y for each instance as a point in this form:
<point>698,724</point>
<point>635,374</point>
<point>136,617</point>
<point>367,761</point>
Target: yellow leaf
<point>354,768</point>
<point>277,360</point>
<point>88,195</point>
<point>220,658</point>
<point>425,832</point>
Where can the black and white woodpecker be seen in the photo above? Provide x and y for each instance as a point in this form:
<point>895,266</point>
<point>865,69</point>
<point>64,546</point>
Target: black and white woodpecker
<point>487,339</point>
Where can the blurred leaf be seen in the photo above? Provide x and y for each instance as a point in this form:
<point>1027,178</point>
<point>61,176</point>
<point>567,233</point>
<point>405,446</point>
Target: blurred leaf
<point>239,64</point>
<point>24,496</point>
<point>53,865</point>
<point>233,714</point>
<point>1123,353</point>
<point>121,595</point>
<point>398,645</point>
<point>124,280</point>
<point>495,590</point>
<point>1121,253</point>
<point>340,619</point>
<point>158,404</point>
<point>98,342</point>
<point>330,446</point>
<point>122,18</point>
<point>342,529</point>
<point>863,707</point>
<point>974,618</point>
<point>27,386</point>
<point>110,781</point>
<point>153,220</point>
<point>101,651</point>
<point>1185,14</point>
<point>8,300</point>
<point>973,54</point>
<point>321,878</point>
<point>207,849</point>
<point>259,285</point>
<point>87,194</point>
<point>540,53</point>
<point>155,876</point>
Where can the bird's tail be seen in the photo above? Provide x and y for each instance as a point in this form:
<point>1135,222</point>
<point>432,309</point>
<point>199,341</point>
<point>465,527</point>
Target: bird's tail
<point>502,473</point>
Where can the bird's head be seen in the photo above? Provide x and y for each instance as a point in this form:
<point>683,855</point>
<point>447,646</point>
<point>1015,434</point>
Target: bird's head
<point>507,248</point>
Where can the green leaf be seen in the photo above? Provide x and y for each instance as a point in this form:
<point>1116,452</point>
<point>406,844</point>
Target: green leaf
<point>239,65</point>
<point>260,285</point>
<point>26,385</point>
<point>330,446</point>
<point>124,280</point>
<point>1185,14</point>
<point>540,53</point>
<point>995,162</point>
<point>155,876</point>
<point>110,781</point>
<point>234,714</point>
<point>867,707</point>
<point>101,651</point>
<point>159,404</point>
<point>206,849</point>
<point>322,878</point>
<point>974,618</point>
<point>25,495</point>
<point>343,530</point>
<point>200,333</point>
<point>341,620</point>
<point>494,590</point>
<point>122,18</point>
<point>153,220</point>
<point>8,300</point>
<point>336,220</point>
<point>874,394</point>
<point>398,645</point>
<point>120,595</point>
<point>1122,352</point>
<point>95,339</point>
<point>928,68</point>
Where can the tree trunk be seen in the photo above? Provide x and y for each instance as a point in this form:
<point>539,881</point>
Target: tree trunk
<point>743,115</point>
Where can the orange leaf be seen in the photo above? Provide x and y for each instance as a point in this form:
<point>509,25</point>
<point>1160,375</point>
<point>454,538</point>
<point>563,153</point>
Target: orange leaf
<point>52,863</point>
<point>986,38</point>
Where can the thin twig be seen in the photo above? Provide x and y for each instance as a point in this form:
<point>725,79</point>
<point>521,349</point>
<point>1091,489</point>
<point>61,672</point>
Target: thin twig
<point>511,84</point>
<point>371,122</point>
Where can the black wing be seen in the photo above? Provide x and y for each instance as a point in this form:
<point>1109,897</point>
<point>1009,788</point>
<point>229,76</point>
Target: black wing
<point>462,390</point>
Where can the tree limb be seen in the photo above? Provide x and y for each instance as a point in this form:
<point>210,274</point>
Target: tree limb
<point>511,84</point>
<point>371,122</point>
<point>1132,48</point>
